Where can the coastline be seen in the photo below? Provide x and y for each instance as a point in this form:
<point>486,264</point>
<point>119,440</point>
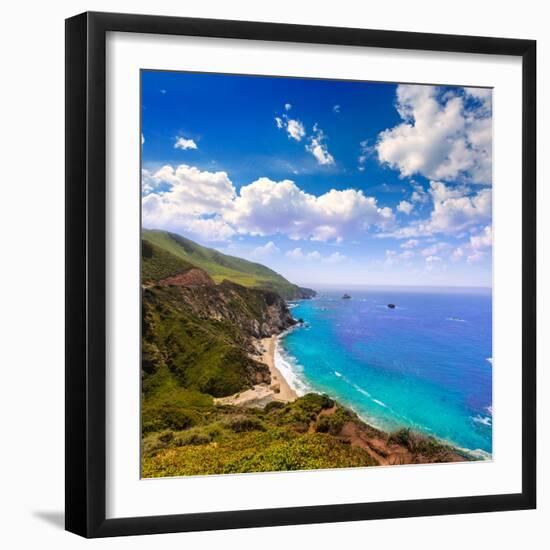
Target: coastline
<point>382,447</point>
<point>376,440</point>
<point>282,388</point>
<point>258,396</point>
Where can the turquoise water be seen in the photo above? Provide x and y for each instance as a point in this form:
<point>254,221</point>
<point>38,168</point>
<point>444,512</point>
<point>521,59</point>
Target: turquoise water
<point>427,364</point>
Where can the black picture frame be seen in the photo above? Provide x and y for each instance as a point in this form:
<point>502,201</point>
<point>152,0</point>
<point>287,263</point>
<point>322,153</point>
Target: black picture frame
<point>86,279</point>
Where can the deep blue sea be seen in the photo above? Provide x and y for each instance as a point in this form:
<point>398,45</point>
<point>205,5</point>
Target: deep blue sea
<point>427,364</point>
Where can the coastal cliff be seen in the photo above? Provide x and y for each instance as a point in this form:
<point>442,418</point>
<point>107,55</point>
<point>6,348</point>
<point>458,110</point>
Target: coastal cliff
<point>202,352</point>
<point>201,335</point>
<point>257,313</point>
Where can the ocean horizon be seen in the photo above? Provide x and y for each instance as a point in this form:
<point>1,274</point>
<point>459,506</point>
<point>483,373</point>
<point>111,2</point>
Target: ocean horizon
<point>424,365</point>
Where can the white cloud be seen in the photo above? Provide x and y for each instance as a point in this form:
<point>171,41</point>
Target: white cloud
<point>316,143</point>
<point>295,254</point>
<point>405,207</point>
<point>392,257</point>
<point>432,262</point>
<point>440,136</point>
<point>484,239</point>
<point>142,139</point>
<point>183,143</point>
<point>335,258</point>
<point>295,129</point>
<point>457,254</point>
<point>336,108</point>
<point>288,106</point>
<point>419,195</point>
<point>364,151</point>
<point>315,255</point>
<point>266,207</point>
<point>411,243</point>
<point>299,254</point>
<point>483,95</point>
<point>474,251</point>
<point>191,201</point>
<point>475,257</point>
<point>268,249</point>
<point>406,254</point>
<point>454,210</point>
<point>435,249</point>
<point>318,148</point>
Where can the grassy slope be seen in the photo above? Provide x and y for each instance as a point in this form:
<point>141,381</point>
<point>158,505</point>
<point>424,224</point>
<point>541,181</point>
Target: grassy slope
<point>310,433</point>
<point>157,263</point>
<point>233,440</point>
<point>205,355</point>
<point>221,266</point>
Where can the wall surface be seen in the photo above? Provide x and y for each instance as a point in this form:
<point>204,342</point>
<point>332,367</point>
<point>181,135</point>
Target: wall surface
<point>31,218</point>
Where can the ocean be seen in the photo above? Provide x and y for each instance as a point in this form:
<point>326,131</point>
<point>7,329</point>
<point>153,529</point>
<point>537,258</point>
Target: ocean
<point>427,364</point>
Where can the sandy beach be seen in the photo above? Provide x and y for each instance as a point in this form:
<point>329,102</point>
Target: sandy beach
<point>261,394</point>
<point>285,392</point>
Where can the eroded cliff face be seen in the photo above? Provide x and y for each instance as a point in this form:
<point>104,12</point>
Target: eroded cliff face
<point>202,333</point>
<point>257,313</point>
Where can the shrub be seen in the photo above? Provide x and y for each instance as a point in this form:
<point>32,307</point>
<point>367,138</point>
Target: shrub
<point>306,408</point>
<point>401,437</point>
<point>331,424</point>
<point>166,437</point>
<point>195,438</point>
<point>301,427</point>
<point>170,417</point>
<point>214,431</point>
<point>151,358</point>
<point>274,405</point>
<point>245,424</point>
<point>416,443</point>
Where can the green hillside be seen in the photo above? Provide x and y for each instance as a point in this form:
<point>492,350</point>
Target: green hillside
<point>199,342</point>
<point>221,266</point>
<point>157,263</point>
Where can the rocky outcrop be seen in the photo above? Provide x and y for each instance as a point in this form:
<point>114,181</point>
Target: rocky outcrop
<point>257,313</point>
<point>200,338</point>
<point>306,293</point>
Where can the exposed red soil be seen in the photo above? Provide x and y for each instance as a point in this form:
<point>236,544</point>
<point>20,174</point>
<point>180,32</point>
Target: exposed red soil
<point>379,446</point>
<point>191,278</point>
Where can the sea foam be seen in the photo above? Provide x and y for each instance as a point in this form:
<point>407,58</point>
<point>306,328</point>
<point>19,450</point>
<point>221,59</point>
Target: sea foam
<point>485,420</point>
<point>289,368</point>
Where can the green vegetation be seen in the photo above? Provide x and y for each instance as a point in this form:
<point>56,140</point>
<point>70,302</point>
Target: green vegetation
<point>197,344</point>
<point>334,423</point>
<point>157,263</point>
<point>234,440</point>
<point>221,266</point>
<point>424,445</point>
<point>178,346</point>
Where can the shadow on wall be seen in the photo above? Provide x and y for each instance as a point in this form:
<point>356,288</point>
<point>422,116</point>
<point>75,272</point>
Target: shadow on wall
<point>57,519</point>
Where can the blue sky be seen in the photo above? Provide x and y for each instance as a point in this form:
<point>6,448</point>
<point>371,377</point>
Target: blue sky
<point>327,182</point>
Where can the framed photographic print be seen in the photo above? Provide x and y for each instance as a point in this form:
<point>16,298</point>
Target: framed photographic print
<point>300,274</point>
